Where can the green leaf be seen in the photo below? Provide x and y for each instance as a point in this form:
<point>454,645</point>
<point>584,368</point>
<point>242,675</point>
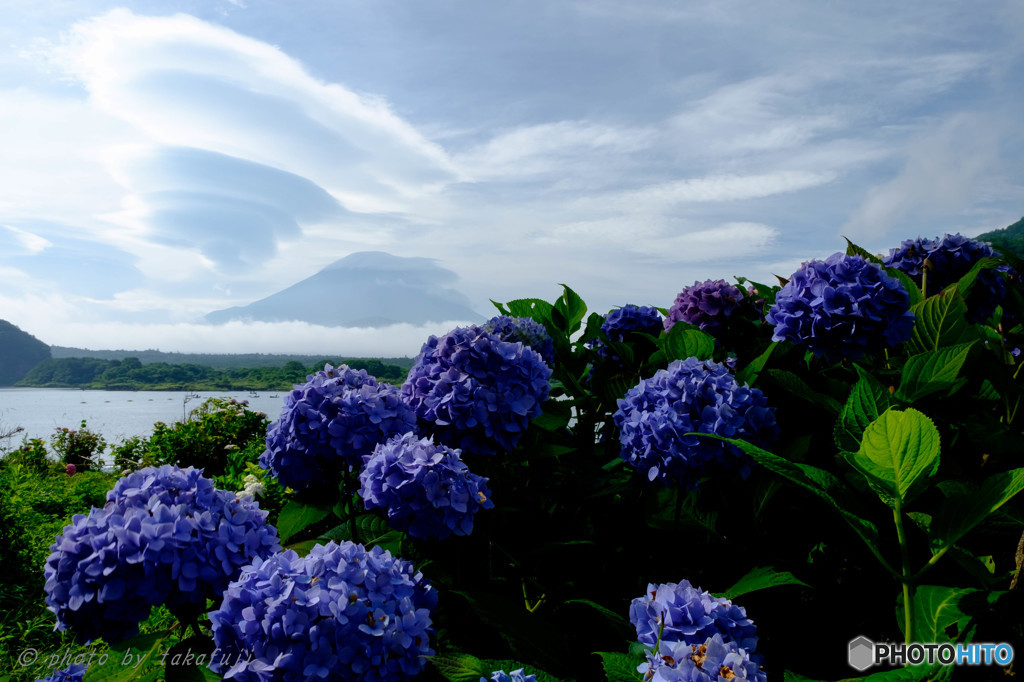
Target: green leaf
<point>818,481</point>
<point>460,667</point>
<point>682,343</point>
<point>966,282</point>
<point>620,667</point>
<point>936,608</point>
<point>963,511</point>
<point>761,578</point>
<point>296,517</point>
<point>133,660</point>
<point>614,617</point>
<point>549,450</point>
<point>572,310</point>
<point>941,321</point>
<point>868,399</point>
<point>798,387</point>
<point>748,375</point>
<point>898,448</point>
<point>854,250</point>
<point>533,308</point>
<point>933,371</point>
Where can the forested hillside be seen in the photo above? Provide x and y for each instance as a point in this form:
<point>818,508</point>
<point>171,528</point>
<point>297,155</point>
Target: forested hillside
<point>19,352</point>
<point>1007,239</point>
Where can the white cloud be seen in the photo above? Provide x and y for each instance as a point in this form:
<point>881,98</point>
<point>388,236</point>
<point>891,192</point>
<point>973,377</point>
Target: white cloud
<point>31,242</point>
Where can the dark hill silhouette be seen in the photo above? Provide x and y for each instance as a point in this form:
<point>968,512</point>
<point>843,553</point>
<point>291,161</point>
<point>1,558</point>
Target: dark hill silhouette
<point>19,352</point>
<point>1007,239</point>
<point>364,289</point>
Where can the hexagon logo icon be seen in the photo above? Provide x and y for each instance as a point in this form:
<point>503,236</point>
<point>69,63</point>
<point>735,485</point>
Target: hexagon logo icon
<point>861,656</point>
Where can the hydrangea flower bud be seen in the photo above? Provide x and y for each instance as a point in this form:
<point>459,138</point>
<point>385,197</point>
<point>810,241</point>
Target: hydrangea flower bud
<point>710,305</point>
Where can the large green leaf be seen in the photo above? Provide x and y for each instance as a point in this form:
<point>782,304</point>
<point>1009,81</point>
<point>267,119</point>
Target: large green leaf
<point>681,343</point>
<point>296,517</point>
<point>133,660</point>
<point>898,448</point>
<point>963,511</point>
<point>568,311</point>
<point>854,250</point>
<point>748,375</point>
<point>941,321</point>
<point>620,667</point>
<point>967,281</point>
<point>914,673</point>
<point>818,481</point>
<point>868,399</point>
<point>936,609</point>
<point>457,667</point>
<point>933,371</point>
<point>761,578</point>
<point>533,308</point>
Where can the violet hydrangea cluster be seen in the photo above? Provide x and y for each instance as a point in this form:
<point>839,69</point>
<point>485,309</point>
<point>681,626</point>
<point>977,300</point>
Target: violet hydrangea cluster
<point>526,331</point>
<point>710,305</point>
<point>716,659</point>
<point>680,612</point>
<point>514,676</point>
<point>691,396</point>
<point>331,424</point>
<point>693,636</point>
<point>842,307</point>
<point>475,392</point>
<point>949,259</point>
<point>426,489</point>
<point>165,536</point>
<point>340,613</point>
<point>622,322</point>
<point>73,673</point>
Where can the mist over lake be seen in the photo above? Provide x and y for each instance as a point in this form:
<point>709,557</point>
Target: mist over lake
<point>115,415</point>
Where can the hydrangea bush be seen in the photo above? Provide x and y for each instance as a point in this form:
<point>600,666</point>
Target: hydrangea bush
<point>73,673</point>
<point>841,308</point>
<point>331,424</point>
<point>165,536</point>
<point>691,396</point>
<point>808,489</point>
<point>424,488</point>
<point>342,612</point>
<point>473,391</point>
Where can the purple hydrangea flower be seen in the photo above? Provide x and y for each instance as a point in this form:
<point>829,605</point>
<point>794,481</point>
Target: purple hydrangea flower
<point>622,322</point>
<point>475,392</point>
<point>950,258</point>
<point>714,660</point>
<point>425,489</point>
<point>680,612</point>
<point>340,613</point>
<point>691,396</point>
<point>842,307</point>
<point>710,305</point>
<point>73,673</point>
<point>165,536</point>
<point>331,423</point>
<point>514,676</point>
<point>526,331</point>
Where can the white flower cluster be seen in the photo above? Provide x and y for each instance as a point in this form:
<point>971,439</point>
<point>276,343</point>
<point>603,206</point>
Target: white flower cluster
<point>253,487</point>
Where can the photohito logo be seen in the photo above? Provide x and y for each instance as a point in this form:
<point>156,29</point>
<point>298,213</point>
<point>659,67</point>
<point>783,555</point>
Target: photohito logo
<point>863,653</point>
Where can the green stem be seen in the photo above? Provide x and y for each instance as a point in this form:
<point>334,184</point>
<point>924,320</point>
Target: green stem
<point>931,562</point>
<point>906,577</point>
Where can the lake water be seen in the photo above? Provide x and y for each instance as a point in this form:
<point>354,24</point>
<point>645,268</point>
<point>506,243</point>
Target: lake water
<point>115,415</point>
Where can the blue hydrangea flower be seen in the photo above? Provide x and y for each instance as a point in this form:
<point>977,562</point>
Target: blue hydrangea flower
<point>340,613</point>
<point>73,673</point>
<point>332,423</point>
<point>425,489</point>
<point>691,396</point>
<point>950,258</point>
<point>165,536</point>
<point>680,612</point>
<point>622,322</point>
<point>475,392</point>
<point>716,659</point>
<point>842,307</point>
<point>710,305</point>
<point>526,331</point>
<point>514,676</point>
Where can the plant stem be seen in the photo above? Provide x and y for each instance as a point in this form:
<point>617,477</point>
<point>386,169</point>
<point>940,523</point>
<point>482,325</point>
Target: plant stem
<point>906,577</point>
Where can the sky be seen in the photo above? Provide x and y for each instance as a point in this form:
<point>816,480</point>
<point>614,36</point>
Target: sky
<point>161,160</point>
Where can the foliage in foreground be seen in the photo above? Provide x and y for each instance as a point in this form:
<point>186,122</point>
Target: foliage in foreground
<point>732,488</point>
